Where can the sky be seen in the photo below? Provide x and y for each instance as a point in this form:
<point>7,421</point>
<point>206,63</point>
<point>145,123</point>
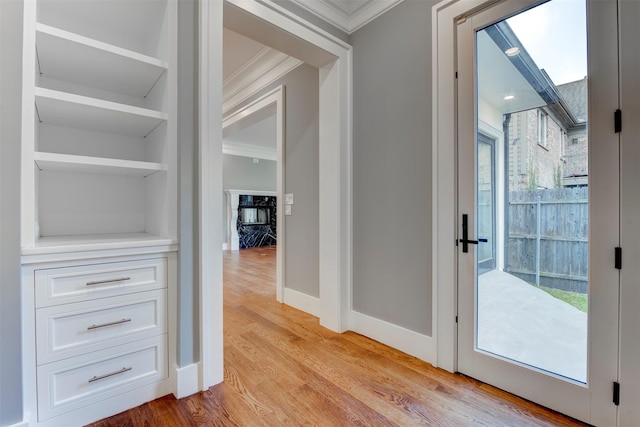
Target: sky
<point>555,36</point>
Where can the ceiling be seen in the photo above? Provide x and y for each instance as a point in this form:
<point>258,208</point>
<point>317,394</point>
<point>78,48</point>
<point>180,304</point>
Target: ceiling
<point>254,135</point>
<point>500,84</point>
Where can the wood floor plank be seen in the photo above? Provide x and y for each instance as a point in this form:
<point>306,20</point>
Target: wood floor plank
<point>283,369</point>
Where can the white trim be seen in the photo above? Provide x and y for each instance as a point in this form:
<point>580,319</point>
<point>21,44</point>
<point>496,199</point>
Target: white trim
<point>225,246</point>
<point>498,136</point>
<point>248,150</point>
<point>334,57</point>
<point>25,421</point>
<point>334,245</point>
<point>306,24</point>
<point>276,97</point>
<point>210,186</point>
<point>249,68</point>
<point>444,187</point>
<point>302,302</point>
<point>28,207</point>
<point>265,68</point>
<point>413,343</point>
<point>187,380</point>
<point>345,20</point>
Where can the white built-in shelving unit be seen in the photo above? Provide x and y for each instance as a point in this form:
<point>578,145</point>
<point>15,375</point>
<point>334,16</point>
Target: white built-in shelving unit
<point>99,207</point>
<point>100,136</point>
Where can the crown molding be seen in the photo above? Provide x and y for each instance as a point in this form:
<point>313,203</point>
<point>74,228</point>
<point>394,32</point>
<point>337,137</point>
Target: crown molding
<point>267,66</point>
<point>348,20</point>
<point>248,150</point>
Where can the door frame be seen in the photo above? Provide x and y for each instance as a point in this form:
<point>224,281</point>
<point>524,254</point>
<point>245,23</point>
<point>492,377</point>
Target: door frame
<point>492,142</point>
<point>603,70</point>
<point>274,97</point>
<point>333,57</point>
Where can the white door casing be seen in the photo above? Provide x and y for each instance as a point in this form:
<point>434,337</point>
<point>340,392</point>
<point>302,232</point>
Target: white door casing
<point>629,412</point>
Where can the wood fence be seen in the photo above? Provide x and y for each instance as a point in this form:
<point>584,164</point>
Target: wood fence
<point>547,237</point>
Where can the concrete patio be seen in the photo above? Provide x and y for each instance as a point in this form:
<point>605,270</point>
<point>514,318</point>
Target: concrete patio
<point>521,322</point>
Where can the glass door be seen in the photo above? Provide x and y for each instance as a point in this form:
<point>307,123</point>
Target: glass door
<point>535,315</point>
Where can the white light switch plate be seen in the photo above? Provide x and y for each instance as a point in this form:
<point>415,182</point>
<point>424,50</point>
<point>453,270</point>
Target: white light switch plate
<point>288,199</point>
<point>287,209</point>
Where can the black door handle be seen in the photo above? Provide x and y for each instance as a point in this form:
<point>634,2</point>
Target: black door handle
<point>465,235</point>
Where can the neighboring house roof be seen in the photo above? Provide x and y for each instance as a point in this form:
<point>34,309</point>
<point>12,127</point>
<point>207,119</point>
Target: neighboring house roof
<point>575,95</point>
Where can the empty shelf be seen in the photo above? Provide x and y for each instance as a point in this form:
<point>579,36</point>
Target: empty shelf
<point>66,109</point>
<point>69,57</point>
<point>96,165</point>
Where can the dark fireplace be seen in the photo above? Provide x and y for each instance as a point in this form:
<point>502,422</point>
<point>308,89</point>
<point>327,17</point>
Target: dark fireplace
<point>256,221</point>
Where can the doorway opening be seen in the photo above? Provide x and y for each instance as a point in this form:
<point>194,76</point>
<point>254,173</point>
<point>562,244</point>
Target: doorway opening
<point>253,180</point>
<point>332,57</point>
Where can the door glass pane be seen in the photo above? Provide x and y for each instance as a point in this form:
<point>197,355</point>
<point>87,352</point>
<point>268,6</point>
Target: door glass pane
<point>532,189</point>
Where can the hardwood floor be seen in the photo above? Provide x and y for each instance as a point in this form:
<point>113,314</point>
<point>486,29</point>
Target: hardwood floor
<point>282,368</point>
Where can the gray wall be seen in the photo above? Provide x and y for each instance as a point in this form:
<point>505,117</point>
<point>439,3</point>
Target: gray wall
<point>240,173</point>
<point>392,167</point>
<point>10,139</point>
<point>301,177</point>
<point>188,314</point>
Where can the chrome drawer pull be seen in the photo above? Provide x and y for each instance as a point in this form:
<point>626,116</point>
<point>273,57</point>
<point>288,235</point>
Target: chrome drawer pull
<point>102,282</point>
<point>117,322</point>
<point>101,377</point>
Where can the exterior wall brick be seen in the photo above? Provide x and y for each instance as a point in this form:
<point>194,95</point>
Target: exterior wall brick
<point>532,163</point>
<point>576,154</point>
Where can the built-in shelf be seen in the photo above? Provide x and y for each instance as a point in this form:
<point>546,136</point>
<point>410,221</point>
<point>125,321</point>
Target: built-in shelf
<point>77,59</point>
<point>60,244</point>
<point>67,109</point>
<point>98,165</point>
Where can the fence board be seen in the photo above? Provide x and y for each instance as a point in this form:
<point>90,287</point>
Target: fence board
<point>564,215</point>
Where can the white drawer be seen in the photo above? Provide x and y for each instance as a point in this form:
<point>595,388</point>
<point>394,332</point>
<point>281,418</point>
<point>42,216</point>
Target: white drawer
<point>84,282</point>
<point>69,330</point>
<point>71,384</point>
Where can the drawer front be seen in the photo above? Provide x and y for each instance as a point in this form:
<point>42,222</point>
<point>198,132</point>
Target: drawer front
<point>74,383</point>
<point>81,283</point>
<point>69,330</point>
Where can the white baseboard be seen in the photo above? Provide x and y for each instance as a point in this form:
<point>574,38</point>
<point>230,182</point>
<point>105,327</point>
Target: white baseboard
<point>187,380</point>
<point>301,301</point>
<point>24,422</point>
<point>418,345</point>
<point>225,246</point>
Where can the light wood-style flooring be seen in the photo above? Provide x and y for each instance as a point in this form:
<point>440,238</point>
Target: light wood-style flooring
<point>283,369</point>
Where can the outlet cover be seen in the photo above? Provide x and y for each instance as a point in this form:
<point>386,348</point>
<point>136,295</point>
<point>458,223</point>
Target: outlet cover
<point>288,199</point>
